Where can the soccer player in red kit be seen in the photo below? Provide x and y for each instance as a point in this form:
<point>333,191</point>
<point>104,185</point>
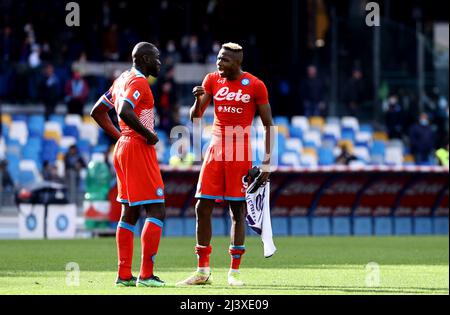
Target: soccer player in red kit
<point>139,179</point>
<point>237,95</point>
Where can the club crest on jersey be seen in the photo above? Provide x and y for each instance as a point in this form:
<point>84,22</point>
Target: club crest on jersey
<point>136,94</point>
<point>245,82</point>
<point>160,192</point>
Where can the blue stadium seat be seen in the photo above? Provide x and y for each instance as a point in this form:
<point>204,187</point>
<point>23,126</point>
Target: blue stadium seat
<point>366,128</point>
<point>26,178</point>
<point>326,156</point>
<point>102,148</point>
<point>36,125</point>
<point>320,226</point>
<point>403,226</point>
<point>295,132</point>
<point>71,131</point>
<point>281,121</point>
<point>329,141</point>
<point>13,165</point>
<point>383,226</point>
<point>378,148</point>
<point>5,131</point>
<point>347,134</point>
<point>423,226</point>
<point>341,225</point>
<point>362,226</point>
<point>58,118</point>
<point>299,226</point>
<point>20,117</point>
<point>49,150</point>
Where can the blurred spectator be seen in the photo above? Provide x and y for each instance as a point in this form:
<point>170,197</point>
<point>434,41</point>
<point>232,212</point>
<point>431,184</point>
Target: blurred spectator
<point>7,183</point>
<point>355,93</point>
<point>50,173</point>
<point>421,139</point>
<point>77,91</point>
<point>192,50</point>
<point>346,155</point>
<point>50,87</point>
<point>171,55</point>
<point>312,93</point>
<point>6,44</point>
<point>212,55</point>
<point>394,117</point>
<point>167,101</point>
<point>111,43</point>
<point>73,160</point>
<point>442,154</point>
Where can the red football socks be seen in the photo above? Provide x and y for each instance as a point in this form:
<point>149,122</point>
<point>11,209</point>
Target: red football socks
<point>151,235</point>
<point>236,253</point>
<point>124,240</point>
<point>203,253</point>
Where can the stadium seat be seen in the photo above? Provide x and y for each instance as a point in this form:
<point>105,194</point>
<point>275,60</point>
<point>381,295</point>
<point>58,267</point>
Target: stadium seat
<point>408,160</point>
<point>53,128</point>
<point>2,148</point>
<point>362,153</point>
<point>20,117</point>
<point>333,129</point>
<point>26,178</point>
<point>59,119</point>
<point>49,150</point>
<point>329,141</point>
<point>366,128</point>
<point>74,120</point>
<point>300,122</point>
<point>312,138</point>
<point>71,130</point>
<point>36,125</point>
<point>5,130</point>
<point>350,122</point>
<point>393,156</point>
<point>293,145</point>
<point>19,131</point>
<point>295,132</point>
<point>377,151</point>
<point>332,120</point>
<point>308,157</point>
<point>89,132</point>
<point>348,134</point>
<point>66,142</point>
<point>281,121</point>
<point>290,159</point>
<point>6,119</point>
<point>363,138</point>
<point>326,156</point>
<point>87,119</point>
<point>316,122</point>
<point>13,146</point>
<point>30,166</point>
<point>380,136</point>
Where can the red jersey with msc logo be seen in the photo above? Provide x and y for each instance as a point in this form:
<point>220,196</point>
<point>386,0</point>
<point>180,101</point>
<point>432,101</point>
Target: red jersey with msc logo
<point>235,105</point>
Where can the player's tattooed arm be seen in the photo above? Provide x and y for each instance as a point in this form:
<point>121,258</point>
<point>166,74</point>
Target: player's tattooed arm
<point>265,113</point>
<point>127,114</point>
<point>202,100</point>
<point>100,114</point>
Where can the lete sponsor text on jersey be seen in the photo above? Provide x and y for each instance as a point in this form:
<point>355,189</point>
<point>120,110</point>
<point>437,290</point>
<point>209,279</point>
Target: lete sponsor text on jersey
<point>224,94</point>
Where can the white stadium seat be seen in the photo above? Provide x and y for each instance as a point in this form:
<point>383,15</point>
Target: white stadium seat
<point>393,155</point>
<point>333,129</point>
<point>312,136</point>
<point>300,122</point>
<point>19,131</point>
<point>362,152</point>
<point>30,165</point>
<point>294,144</point>
<point>290,159</point>
<point>89,132</point>
<point>350,122</point>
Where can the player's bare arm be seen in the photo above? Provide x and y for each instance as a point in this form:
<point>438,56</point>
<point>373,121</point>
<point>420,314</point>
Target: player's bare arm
<point>202,100</point>
<point>265,112</point>
<point>127,114</point>
<point>100,114</point>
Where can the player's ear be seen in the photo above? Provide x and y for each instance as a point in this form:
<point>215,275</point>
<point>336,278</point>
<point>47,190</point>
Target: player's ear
<point>146,58</point>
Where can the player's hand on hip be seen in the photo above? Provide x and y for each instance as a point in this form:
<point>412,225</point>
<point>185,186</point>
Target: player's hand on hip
<point>198,91</point>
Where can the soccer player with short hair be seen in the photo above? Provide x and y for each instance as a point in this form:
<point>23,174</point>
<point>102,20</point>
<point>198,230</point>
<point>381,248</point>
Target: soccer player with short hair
<point>139,180</point>
<point>236,95</point>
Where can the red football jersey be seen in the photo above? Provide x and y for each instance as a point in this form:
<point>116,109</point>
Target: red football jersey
<point>132,86</point>
<point>235,102</point>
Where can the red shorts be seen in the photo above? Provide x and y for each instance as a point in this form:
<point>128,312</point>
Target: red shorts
<point>139,179</point>
<point>220,179</point>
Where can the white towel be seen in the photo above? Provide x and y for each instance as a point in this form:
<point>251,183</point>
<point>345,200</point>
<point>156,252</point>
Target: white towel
<point>258,217</point>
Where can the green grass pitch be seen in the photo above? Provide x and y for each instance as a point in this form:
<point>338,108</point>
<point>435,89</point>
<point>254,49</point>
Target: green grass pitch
<point>302,265</point>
